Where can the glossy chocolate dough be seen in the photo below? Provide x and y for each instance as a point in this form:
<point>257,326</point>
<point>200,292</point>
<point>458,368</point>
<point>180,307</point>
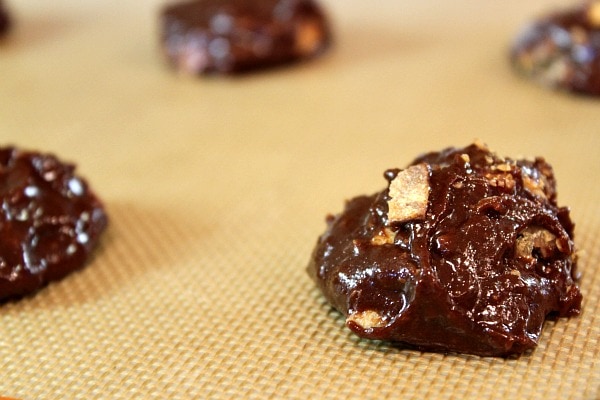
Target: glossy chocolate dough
<point>49,222</point>
<point>562,50</point>
<point>4,20</point>
<point>232,36</point>
<point>463,278</point>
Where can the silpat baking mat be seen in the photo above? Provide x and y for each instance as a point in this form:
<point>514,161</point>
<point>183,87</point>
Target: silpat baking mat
<point>217,190</point>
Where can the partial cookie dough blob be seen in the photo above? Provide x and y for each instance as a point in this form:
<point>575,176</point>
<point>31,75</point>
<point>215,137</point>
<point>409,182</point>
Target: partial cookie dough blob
<point>562,50</point>
<point>50,221</point>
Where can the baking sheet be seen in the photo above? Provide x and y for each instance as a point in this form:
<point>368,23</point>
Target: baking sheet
<point>217,190</point>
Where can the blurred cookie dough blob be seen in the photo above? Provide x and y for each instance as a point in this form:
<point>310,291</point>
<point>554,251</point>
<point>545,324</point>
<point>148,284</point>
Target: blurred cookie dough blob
<point>561,50</point>
<point>235,36</point>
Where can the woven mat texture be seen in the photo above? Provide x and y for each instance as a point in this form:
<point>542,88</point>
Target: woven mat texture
<point>217,190</point>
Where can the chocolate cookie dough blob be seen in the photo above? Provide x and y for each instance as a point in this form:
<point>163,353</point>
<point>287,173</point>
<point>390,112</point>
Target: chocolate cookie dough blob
<point>4,19</point>
<point>562,50</point>
<point>233,36</point>
<point>50,221</point>
<point>464,251</point>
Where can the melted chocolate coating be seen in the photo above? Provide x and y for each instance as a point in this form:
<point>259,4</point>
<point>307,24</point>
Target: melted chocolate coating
<point>4,19</point>
<point>233,36</point>
<point>49,221</point>
<point>492,257</point>
<point>562,50</point>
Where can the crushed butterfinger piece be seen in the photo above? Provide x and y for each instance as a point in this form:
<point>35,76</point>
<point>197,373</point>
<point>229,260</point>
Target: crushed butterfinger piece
<point>367,319</point>
<point>504,167</point>
<point>536,240</point>
<point>385,236</point>
<point>409,193</point>
<point>534,186</point>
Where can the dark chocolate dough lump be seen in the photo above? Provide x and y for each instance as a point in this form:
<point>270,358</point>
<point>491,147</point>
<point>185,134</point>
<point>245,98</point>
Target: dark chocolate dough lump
<point>4,19</point>
<point>465,251</point>
<point>562,49</point>
<point>232,36</point>
<point>49,221</point>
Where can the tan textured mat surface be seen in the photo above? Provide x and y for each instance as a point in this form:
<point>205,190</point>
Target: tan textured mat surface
<point>217,190</point>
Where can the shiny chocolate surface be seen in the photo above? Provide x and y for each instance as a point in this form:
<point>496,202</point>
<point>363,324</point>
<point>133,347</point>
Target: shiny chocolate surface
<point>50,221</point>
<point>491,257</point>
